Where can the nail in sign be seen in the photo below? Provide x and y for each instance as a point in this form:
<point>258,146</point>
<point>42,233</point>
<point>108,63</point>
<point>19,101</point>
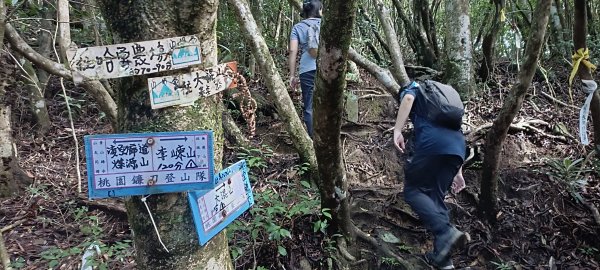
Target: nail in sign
<point>149,163</point>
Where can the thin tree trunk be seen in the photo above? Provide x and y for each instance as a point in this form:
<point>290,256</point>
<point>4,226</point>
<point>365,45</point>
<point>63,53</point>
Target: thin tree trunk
<point>46,49</point>
<point>36,98</point>
<point>489,43</point>
<point>275,84</point>
<point>481,29</point>
<point>510,108</point>
<point>279,23</point>
<point>458,47</point>
<point>64,29</point>
<point>398,71</point>
<point>579,40</point>
<point>373,29</point>
<point>171,212</point>
<point>420,42</point>
<point>557,32</point>
<point>330,83</point>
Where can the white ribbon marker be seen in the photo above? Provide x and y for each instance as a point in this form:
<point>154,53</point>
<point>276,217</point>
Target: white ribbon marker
<point>589,87</point>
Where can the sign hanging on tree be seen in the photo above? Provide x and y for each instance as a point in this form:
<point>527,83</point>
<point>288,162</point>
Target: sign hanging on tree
<point>186,88</point>
<point>214,209</point>
<point>137,58</point>
<point>149,163</point>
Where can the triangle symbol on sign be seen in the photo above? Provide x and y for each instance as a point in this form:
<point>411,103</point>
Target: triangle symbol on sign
<point>191,164</point>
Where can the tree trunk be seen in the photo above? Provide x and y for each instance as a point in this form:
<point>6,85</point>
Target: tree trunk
<point>36,98</point>
<point>129,22</point>
<point>510,108</point>
<point>418,38</point>
<point>64,29</point>
<point>458,47</point>
<point>398,70</point>
<point>579,40</point>
<point>275,84</point>
<point>557,32</point>
<point>489,43</point>
<point>330,83</point>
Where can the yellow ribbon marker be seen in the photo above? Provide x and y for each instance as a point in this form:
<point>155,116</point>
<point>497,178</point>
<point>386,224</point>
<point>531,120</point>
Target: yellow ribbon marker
<point>502,15</point>
<point>580,56</point>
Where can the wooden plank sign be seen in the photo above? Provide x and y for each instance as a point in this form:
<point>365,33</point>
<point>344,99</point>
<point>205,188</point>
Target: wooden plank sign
<point>186,88</point>
<point>214,209</point>
<point>138,58</point>
<point>149,163</point>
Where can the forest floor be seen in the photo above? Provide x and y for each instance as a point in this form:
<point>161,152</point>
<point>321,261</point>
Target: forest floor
<point>546,182</point>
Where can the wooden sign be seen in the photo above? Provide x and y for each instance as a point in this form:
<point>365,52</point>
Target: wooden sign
<point>214,209</point>
<point>138,58</point>
<point>149,163</point>
<point>186,88</point>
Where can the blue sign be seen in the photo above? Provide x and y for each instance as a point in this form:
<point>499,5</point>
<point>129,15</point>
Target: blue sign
<point>214,209</point>
<point>149,163</point>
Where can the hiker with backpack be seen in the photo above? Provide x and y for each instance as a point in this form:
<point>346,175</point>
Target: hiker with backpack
<point>436,111</point>
<point>305,35</point>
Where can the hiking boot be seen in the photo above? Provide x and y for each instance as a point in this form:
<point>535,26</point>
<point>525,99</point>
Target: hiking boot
<point>443,265</point>
<point>448,242</point>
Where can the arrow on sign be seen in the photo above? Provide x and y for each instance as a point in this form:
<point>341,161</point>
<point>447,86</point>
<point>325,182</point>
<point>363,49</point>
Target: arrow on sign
<point>128,141</point>
<point>174,139</point>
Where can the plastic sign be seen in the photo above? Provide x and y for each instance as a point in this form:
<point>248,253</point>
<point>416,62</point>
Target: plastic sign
<point>138,58</point>
<point>186,88</point>
<point>149,163</point>
<point>213,210</point>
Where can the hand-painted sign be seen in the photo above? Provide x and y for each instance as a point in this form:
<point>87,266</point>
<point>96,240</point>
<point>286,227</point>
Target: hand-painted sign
<point>138,58</point>
<point>186,88</point>
<point>149,163</point>
<point>215,209</point>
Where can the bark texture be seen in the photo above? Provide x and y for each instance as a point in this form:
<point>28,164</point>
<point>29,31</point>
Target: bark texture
<point>146,20</point>
<point>579,40</point>
<point>419,35</point>
<point>459,68</point>
<point>398,71</point>
<point>275,84</point>
<point>330,83</point>
<point>497,133</point>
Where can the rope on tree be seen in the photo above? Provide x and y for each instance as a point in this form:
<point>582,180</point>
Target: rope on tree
<point>247,104</point>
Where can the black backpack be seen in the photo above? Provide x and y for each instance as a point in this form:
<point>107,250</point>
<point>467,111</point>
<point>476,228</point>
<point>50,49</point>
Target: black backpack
<point>439,103</point>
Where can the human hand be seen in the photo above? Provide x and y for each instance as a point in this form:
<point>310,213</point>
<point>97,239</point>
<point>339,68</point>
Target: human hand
<point>293,83</point>
<point>458,183</point>
<point>399,140</point>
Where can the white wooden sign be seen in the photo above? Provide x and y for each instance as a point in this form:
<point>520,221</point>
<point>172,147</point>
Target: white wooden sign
<point>149,163</point>
<point>214,209</point>
<point>186,88</point>
<point>138,58</point>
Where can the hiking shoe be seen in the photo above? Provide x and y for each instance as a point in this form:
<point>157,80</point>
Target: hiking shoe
<point>443,265</point>
<point>448,242</point>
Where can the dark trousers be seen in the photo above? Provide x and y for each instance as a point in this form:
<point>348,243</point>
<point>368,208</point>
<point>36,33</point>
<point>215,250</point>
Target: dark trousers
<point>427,181</point>
<point>307,84</point>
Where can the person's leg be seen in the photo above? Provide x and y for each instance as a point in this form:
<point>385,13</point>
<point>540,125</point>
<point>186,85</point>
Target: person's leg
<point>307,84</point>
<point>421,192</point>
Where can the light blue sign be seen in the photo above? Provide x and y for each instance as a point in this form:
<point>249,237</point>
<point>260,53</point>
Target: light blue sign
<point>214,209</point>
<point>149,163</point>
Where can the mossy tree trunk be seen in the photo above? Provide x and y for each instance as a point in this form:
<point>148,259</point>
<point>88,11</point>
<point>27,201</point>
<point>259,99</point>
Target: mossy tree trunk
<point>146,20</point>
<point>330,83</point>
<point>579,40</point>
<point>459,68</point>
<point>510,108</point>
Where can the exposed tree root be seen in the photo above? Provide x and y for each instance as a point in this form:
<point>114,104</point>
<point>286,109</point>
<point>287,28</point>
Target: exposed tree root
<point>382,248</point>
<point>526,126</point>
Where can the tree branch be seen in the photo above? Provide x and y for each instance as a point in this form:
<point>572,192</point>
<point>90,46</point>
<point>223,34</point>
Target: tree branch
<point>383,75</point>
<point>95,88</point>
<point>398,72</point>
